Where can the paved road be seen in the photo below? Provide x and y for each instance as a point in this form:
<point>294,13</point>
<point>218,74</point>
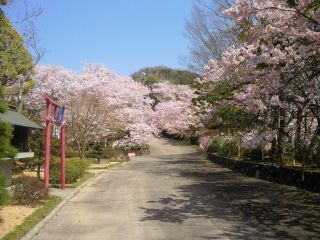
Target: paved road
<point>176,194</point>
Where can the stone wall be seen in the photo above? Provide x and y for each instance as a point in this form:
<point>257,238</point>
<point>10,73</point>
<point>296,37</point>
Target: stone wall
<point>288,176</point>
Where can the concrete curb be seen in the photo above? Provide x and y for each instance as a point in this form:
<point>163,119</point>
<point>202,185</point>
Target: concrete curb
<point>34,231</point>
<point>108,167</point>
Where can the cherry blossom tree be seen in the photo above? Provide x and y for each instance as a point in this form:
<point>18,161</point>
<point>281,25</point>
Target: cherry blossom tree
<point>90,119</point>
<point>129,98</point>
<point>274,75</point>
<point>174,112</point>
<point>123,103</point>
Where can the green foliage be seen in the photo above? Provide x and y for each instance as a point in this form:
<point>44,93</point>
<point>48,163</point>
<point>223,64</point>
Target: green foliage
<point>75,169</point>
<point>4,194</point>
<point>137,149</point>
<point>83,179</point>
<point>6,150</point>
<point>192,139</point>
<point>106,151</point>
<point>15,58</point>
<point>222,92</point>
<point>3,106</point>
<point>150,80</point>
<point>15,61</point>
<point>157,74</point>
<point>225,146</point>
<point>256,154</point>
<point>36,142</point>
<point>315,155</point>
<point>99,151</point>
<point>235,118</point>
<point>95,151</point>
<point>312,6</point>
<point>29,191</point>
<point>71,153</point>
<point>3,181</point>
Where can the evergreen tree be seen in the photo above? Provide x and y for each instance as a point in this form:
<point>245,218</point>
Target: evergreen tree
<point>6,150</point>
<point>15,60</point>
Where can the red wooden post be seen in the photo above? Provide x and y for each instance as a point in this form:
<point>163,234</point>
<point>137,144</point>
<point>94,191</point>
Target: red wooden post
<point>63,160</point>
<point>56,111</point>
<point>47,152</point>
<point>49,121</point>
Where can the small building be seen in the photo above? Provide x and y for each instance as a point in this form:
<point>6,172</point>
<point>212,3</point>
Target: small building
<point>22,128</point>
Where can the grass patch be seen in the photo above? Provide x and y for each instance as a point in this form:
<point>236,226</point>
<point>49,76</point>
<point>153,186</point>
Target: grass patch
<point>33,219</point>
<point>84,178</point>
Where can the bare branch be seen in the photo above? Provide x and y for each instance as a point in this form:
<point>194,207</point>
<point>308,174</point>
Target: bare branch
<point>209,31</point>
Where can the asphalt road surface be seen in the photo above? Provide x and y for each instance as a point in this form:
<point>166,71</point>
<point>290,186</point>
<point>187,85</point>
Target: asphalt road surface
<point>175,193</point>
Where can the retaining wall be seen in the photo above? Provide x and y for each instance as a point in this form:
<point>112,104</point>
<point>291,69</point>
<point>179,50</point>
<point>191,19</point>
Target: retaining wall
<point>288,176</point>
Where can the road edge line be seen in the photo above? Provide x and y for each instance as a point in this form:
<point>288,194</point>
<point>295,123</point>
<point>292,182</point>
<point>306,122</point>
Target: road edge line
<point>41,224</point>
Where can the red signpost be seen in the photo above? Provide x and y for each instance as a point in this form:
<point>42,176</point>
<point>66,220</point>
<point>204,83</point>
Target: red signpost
<point>51,105</point>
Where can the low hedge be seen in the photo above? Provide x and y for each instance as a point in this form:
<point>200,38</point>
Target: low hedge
<point>103,153</point>
<point>4,194</point>
<point>223,145</point>
<point>29,191</point>
<point>75,169</point>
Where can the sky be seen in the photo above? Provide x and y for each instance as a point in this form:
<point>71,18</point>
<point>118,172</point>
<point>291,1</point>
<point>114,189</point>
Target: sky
<point>125,35</point>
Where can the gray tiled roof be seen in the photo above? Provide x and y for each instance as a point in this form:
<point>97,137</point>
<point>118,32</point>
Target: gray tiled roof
<point>15,118</point>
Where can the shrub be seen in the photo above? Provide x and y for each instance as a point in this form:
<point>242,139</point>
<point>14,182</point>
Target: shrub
<point>71,153</point>
<point>256,155</point>
<point>205,141</point>
<point>216,145</point>
<point>110,152</point>
<point>230,147</point>
<point>226,146</point>
<point>103,152</point>
<point>3,181</point>
<point>192,139</point>
<point>4,194</point>
<point>92,154</point>
<point>139,149</point>
<point>29,191</point>
<point>75,169</point>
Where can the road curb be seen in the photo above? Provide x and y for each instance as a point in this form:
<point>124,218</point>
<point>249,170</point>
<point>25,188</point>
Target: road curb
<point>34,231</point>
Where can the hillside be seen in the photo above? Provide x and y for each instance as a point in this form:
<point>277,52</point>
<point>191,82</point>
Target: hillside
<point>158,74</point>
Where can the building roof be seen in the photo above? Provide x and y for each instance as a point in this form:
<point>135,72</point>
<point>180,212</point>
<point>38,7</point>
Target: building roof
<point>15,118</point>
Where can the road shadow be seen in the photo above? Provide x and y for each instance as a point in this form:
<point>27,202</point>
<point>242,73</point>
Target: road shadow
<point>242,207</point>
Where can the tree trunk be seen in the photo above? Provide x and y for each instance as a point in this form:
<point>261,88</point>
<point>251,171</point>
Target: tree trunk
<point>79,149</point>
<point>282,125</point>
<point>39,164</point>
<point>303,166</point>
<point>38,170</point>
<point>82,152</point>
<point>293,151</point>
<point>309,150</point>
<point>275,124</point>
<point>274,149</point>
<point>262,153</point>
<point>298,140</point>
<point>20,102</point>
<point>304,152</point>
